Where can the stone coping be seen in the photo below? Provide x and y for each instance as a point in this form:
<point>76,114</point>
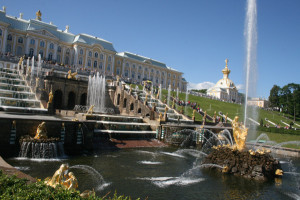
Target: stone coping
<point>10,170</point>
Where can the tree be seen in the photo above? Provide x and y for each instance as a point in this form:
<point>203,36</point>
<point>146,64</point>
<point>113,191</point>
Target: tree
<point>274,96</point>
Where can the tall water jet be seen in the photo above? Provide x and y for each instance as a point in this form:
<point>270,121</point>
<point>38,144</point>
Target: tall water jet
<point>160,92</point>
<point>251,43</point>
<point>177,93</point>
<point>96,92</point>
<point>32,67</point>
<point>169,95</point>
<point>186,99</point>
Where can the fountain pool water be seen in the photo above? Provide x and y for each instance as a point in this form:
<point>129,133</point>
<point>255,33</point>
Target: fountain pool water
<point>164,173</point>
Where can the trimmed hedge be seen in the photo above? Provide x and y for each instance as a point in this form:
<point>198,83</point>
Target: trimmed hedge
<point>279,130</point>
<point>12,187</point>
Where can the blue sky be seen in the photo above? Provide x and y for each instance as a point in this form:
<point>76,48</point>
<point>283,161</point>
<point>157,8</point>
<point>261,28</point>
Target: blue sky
<point>192,36</point>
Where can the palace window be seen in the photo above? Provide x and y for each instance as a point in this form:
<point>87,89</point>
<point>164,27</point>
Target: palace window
<point>157,72</point>
<point>152,70</point>
<point>119,62</point>
<point>96,54</point>
<point>20,40</point>
<point>32,41</point>
<point>133,66</point>
<point>42,44</point>
<point>0,32</point>
<point>81,51</point>
<point>8,48</point>
<point>169,75</point>
<point>31,51</point>
<point>108,67</point>
<point>9,37</point>
<point>67,60</point>
<point>126,73</point>
<point>50,56</point>
<point>58,58</point>
<point>109,58</point>
<point>132,75</point>
<point>80,61</point>
<point>127,65</point>
<point>51,46</point>
<point>139,76</point>
<point>89,63</point>
<point>140,67</point>
<point>101,56</point>
<point>42,53</point>
<point>163,73</point>
<point>118,71</point>
<point>90,54</point>
<point>58,49</point>
<point>19,51</point>
<point>174,76</point>
<point>101,65</point>
<point>68,51</point>
<point>95,64</point>
<point>157,80</point>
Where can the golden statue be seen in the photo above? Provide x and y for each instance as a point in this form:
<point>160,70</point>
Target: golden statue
<point>71,182</point>
<point>72,75</point>
<point>90,111</point>
<point>157,96</point>
<point>194,111</point>
<point>226,117</point>
<point>173,105</point>
<point>41,132</point>
<point>38,15</point>
<point>160,117</point>
<point>20,61</point>
<point>278,172</point>
<point>57,176</point>
<point>204,115</point>
<point>118,78</point>
<point>50,97</point>
<point>146,98</point>
<point>239,134</point>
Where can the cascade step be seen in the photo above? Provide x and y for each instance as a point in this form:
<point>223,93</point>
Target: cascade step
<point>124,132</point>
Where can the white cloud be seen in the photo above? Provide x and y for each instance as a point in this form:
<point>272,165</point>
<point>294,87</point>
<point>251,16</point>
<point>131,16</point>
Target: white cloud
<point>199,86</point>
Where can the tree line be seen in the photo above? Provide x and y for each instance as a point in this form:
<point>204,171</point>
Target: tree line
<point>286,99</point>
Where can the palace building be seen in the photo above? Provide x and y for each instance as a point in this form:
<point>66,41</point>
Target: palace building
<point>33,37</point>
<point>225,89</point>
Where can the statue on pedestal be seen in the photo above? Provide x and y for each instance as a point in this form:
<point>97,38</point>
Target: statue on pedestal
<point>239,133</point>
<point>41,132</point>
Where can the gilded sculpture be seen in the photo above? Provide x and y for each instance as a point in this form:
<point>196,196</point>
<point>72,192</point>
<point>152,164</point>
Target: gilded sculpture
<point>91,110</point>
<point>38,15</point>
<point>41,132</point>
<point>58,176</point>
<point>239,134</point>
<point>72,75</point>
<point>50,97</point>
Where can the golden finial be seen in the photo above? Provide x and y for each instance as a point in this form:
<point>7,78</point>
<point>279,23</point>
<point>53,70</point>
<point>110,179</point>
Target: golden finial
<point>38,15</point>
<point>226,61</point>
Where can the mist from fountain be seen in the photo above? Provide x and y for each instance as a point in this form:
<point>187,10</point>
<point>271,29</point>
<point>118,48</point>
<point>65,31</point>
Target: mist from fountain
<point>251,43</point>
<point>96,92</point>
<point>169,95</point>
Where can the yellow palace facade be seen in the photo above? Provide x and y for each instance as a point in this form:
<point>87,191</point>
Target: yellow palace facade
<point>33,37</point>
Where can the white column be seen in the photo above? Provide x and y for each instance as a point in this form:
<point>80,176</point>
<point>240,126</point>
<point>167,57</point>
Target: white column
<point>47,49</point>
<point>113,65</point>
<point>14,44</point>
<point>55,52</point>
<point>123,68</point>
<point>76,55</point>
<point>86,57</point>
<point>27,45</point>
<point>4,41</point>
<point>35,48</point>
<point>104,64</point>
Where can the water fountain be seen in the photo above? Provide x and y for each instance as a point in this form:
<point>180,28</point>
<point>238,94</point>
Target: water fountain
<point>169,95</point>
<point>41,146</point>
<point>96,92</point>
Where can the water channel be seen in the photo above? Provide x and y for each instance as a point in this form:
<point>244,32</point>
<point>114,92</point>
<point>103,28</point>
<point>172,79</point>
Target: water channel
<point>163,173</point>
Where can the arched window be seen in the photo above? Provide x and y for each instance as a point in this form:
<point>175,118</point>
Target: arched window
<point>58,49</point>
<point>132,74</point>
<point>108,67</point>
<point>19,51</point>
<point>8,48</point>
<point>20,40</point>
<point>9,37</point>
<point>67,60</point>
<point>58,58</point>
<point>49,56</point>
<point>101,56</point>
<point>140,67</point>
<point>31,51</point>
<point>95,64</point>
<point>89,63</point>
<point>100,65</point>
<point>127,65</point>
<point>126,73</point>
<point>51,46</point>
<point>96,54</point>
<point>133,66</point>
<point>109,58</point>
<point>68,51</point>
<point>81,51</point>
<point>118,71</point>
<point>80,61</point>
<point>90,54</point>
<point>0,32</point>
<point>42,44</point>
<point>42,53</point>
<point>32,41</point>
